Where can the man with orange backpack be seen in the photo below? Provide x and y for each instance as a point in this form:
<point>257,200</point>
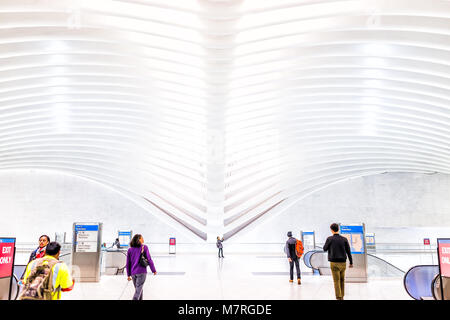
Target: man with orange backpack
<point>294,250</point>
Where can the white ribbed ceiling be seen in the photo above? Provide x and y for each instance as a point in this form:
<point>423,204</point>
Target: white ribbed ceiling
<point>220,112</point>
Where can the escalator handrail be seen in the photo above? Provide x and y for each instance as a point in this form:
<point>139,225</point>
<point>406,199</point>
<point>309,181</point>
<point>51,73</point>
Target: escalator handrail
<point>433,284</point>
<point>406,274</point>
<point>123,268</point>
<point>369,254</point>
<point>316,251</point>
<point>18,287</point>
<point>310,255</point>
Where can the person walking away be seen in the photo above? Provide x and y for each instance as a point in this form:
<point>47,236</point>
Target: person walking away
<point>338,250</point>
<point>40,251</point>
<point>294,250</point>
<point>46,277</point>
<point>220,246</point>
<point>136,267</point>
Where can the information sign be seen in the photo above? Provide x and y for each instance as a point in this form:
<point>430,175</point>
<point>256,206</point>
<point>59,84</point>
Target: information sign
<point>355,236</point>
<point>86,237</point>
<point>370,240</point>
<point>7,246</point>
<point>124,238</point>
<point>443,247</point>
<point>308,239</point>
<point>172,245</point>
<point>444,257</point>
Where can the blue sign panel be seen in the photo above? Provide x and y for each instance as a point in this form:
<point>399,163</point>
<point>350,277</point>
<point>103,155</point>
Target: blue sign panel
<point>7,240</point>
<point>355,236</point>
<point>308,233</point>
<point>124,238</point>
<point>89,227</point>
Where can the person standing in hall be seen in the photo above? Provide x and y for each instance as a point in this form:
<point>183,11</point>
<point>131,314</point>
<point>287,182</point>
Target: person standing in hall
<point>220,246</point>
<point>291,253</point>
<point>44,240</point>
<point>136,271</point>
<point>338,250</point>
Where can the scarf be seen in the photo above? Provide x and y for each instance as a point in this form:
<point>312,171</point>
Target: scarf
<point>40,252</point>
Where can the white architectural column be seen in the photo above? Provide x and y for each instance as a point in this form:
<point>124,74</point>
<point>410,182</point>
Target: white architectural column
<point>219,20</point>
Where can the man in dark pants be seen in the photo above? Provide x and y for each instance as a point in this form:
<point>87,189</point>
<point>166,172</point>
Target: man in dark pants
<point>338,249</point>
<point>292,257</point>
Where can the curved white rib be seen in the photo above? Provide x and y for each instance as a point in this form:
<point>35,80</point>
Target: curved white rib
<point>217,113</point>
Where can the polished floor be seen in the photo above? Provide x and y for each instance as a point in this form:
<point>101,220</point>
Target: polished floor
<point>237,276</point>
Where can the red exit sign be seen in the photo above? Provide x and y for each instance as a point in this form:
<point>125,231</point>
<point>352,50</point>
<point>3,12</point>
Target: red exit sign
<point>6,256</point>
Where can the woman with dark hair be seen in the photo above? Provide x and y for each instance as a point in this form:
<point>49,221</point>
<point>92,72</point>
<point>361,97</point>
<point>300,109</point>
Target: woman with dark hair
<point>40,251</point>
<point>136,269</point>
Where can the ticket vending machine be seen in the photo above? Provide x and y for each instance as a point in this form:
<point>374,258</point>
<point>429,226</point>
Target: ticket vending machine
<point>7,255</point>
<point>86,250</point>
<point>355,233</point>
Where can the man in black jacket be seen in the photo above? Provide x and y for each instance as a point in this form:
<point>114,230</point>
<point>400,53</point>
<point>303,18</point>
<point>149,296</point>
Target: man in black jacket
<point>338,249</point>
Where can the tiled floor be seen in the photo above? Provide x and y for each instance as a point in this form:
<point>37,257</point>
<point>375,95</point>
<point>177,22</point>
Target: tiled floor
<point>237,276</point>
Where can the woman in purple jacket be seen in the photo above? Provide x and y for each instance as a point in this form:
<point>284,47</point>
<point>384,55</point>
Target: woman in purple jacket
<point>135,271</point>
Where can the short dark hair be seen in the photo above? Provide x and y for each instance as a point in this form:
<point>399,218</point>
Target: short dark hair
<point>53,248</point>
<point>334,227</point>
<point>135,243</point>
<point>44,235</point>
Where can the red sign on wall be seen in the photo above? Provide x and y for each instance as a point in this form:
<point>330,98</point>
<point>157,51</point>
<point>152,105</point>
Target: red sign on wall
<point>426,242</point>
<point>6,256</point>
<point>172,241</point>
<point>444,256</point>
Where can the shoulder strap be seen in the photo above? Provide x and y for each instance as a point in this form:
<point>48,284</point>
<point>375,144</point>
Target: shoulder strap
<point>52,262</point>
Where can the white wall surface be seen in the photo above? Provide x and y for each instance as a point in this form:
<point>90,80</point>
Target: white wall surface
<point>36,202</point>
<point>398,207</point>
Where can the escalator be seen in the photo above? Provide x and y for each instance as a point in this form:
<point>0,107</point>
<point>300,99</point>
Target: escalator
<point>318,261</point>
<point>19,271</point>
<point>423,283</point>
<point>307,258</point>
<point>376,267</point>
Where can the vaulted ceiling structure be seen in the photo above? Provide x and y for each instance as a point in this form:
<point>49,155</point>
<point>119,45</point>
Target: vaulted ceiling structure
<point>217,113</point>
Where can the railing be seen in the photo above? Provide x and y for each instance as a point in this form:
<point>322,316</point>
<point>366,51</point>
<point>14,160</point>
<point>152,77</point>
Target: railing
<point>317,260</point>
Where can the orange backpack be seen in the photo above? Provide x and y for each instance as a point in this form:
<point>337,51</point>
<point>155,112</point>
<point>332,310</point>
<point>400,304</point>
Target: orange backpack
<point>299,248</point>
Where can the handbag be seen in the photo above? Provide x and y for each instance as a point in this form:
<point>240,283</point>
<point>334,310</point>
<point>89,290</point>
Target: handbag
<point>143,261</point>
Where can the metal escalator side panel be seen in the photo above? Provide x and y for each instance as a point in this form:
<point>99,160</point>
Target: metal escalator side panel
<point>319,259</point>
<point>307,258</point>
<point>418,280</point>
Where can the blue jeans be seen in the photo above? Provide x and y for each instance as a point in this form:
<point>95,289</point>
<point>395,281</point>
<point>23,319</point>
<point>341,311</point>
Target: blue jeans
<point>220,252</point>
